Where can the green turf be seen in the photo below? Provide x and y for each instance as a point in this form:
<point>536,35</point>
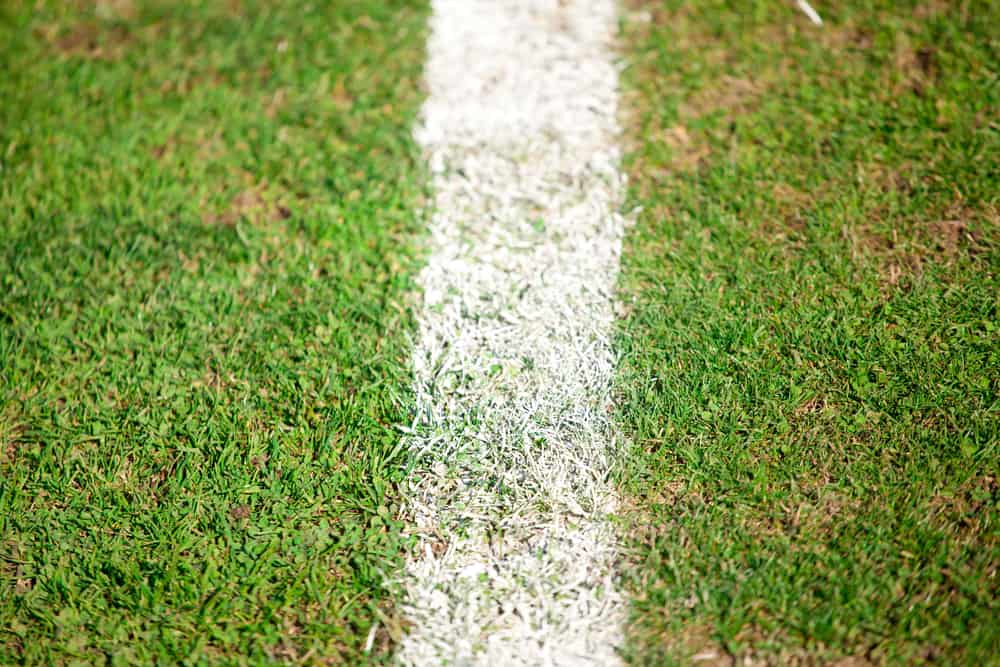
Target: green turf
<point>205,247</point>
<point>811,357</point>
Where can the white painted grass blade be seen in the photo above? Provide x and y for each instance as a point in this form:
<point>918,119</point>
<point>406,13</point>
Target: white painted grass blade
<point>513,365</point>
<point>809,11</point>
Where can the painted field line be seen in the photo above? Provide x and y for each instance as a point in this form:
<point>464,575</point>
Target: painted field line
<point>513,364</point>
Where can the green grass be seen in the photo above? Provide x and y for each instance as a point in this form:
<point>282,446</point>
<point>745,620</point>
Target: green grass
<point>811,361</point>
<point>205,253</point>
<point>205,248</point>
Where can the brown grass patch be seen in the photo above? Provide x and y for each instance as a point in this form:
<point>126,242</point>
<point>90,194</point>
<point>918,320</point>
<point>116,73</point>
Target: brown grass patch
<point>111,10</point>
<point>256,203</point>
<point>687,153</point>
<point>731,94</point>
<point>932,8</point>
<point>695,642</point>
<point>964,513</point>
<point>910,246</point>
<point>914,68</point>
<point>89,40</point>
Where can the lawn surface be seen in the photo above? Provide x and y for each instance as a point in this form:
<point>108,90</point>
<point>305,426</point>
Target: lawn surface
<point>205,246</point>
<point>206,255</point>
<point>811,355</point>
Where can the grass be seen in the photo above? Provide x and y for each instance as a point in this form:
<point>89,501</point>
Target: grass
<point>206,248</point>
<point>206,251</point>
<point>810,363</point>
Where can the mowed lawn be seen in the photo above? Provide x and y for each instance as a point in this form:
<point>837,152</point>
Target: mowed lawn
<point>205,254</point>
<point>811,351</point>
<point>210,215</point>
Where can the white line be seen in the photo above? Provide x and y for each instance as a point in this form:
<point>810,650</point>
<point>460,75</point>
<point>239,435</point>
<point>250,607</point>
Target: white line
<point>513,365</point>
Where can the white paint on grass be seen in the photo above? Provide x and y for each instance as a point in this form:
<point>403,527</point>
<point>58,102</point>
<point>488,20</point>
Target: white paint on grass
<point>514,364</point>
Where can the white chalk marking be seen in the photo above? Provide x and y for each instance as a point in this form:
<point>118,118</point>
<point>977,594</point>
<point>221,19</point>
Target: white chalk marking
<point>513,366</point>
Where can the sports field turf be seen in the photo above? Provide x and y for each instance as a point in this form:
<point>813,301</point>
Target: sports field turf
<point>811,357</point>
<point>210,216</point>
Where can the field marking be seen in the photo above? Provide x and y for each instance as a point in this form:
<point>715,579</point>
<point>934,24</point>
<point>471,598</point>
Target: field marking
<point>513,364</point>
